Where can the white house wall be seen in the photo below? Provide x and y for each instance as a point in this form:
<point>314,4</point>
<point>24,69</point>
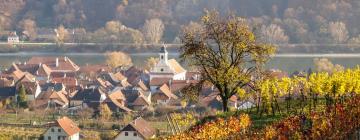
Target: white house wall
<point>130,136</point>
<point>54,135</point>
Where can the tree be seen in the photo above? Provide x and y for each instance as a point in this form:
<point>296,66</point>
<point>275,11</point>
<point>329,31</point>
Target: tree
<point>151,62</point>
<point>105,112</point>
<point>29,27</point>
<point>114,27</point>
<point>338,32</point>
<point>61,34</point>
<point>325,65</point>
<point>153,30</point>
<point>274,34</point>
<point>85,113</point>
<point>118,59</point>
<point>225,51</point>
<point>21,98</point>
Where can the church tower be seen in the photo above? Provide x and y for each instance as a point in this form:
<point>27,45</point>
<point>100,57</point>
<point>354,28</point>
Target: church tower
<point>163,55</point>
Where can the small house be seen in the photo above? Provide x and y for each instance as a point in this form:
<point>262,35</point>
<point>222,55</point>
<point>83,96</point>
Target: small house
<point>62,129</point>
<point>13,38</point>
<point>139,129</point>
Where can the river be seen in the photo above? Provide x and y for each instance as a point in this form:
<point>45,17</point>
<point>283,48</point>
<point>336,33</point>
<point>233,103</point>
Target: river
<point>285,62</point>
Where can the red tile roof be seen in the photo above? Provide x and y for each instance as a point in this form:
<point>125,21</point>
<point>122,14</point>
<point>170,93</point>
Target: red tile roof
<point>119,76</point>
<point>60,96</point>
<point>67,81</point>
<point>94,68</point>
<point>142,127</point>
<point>159,81</point>
<point>68,126</point>
<point>64,63</point>
<point>165,89</point>
<point>141,101</point>
<point>142,85</point>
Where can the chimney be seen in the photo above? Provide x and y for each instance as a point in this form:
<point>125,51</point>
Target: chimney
<point>64,75</point>
<point>212,88</point>
<point>65,59</point>
<point>57,62</point>
<point>187,81</point>
<point>25,63</point>
<point>40,64</point>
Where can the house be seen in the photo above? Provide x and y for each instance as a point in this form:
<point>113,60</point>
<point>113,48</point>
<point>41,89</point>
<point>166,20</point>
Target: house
<point>55,64</point>
<point>138,129</point>
<point>52,99</point>
<point>46,68</point>
<point>135,74</point>
<point>13,38</point>
<point>91,71</point>
<point>58,99</point>
<point>141,102</point>
<point>104,84</point>
<point>137,99</point>
<point>116,101</point>
<point>155,83</point>
<point>167,68</point>
<point>8,93</point>
<point>163,95</point>
<point>28,81</point>
<point>91,97</point>
<point>116,79</point>
<point>62,129</point>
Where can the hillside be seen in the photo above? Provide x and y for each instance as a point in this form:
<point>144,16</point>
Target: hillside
<point>276,21</point>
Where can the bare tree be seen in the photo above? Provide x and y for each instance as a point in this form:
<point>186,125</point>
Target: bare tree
<point>29,27</point>
<point>273,34</point>
<point>338,32</point>
<point>325,65</point>
<point>85,113</point>
<point>61,34</point>
<point>118,59</point>
<point>151,62</point>
<point>114,26</point>
<point>153,30</point>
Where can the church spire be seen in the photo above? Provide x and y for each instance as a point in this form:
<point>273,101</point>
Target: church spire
<point>163,54</point>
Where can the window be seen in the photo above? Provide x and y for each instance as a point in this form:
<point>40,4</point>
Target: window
<point>161,57</point>
<point>161,69</point>
<point>49,138</point>
<point>52,130</point>
<point>59,130</point>
<point>135,134</point>
<point>59,137</point>
<point>126,133</point>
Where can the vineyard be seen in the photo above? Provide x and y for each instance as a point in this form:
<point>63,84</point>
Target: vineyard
<point>317,106</point>
<point>31,133</point>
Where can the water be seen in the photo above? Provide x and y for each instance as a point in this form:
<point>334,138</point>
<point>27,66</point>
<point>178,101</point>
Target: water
<point>284,62</point>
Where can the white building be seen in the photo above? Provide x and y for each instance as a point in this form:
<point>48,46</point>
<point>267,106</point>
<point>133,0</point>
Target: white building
<point>139,129</point>
<point>62,129</point>
<point>13,38</point>
<point>167,68</point>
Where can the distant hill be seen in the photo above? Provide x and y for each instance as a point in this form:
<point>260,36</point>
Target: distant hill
<point>274,21</point>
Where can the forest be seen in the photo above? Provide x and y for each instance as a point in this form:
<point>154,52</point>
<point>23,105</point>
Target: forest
<point>157,21</point>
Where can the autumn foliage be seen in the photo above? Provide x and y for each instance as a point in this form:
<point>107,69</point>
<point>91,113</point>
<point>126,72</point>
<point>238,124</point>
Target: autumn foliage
<point>328,107</point>
<point>216,129</point>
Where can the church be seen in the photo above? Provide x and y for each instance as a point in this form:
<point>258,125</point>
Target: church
<point>165,68</point>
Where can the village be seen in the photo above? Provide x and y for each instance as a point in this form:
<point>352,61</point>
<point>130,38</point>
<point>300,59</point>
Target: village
<point>61,88</point>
